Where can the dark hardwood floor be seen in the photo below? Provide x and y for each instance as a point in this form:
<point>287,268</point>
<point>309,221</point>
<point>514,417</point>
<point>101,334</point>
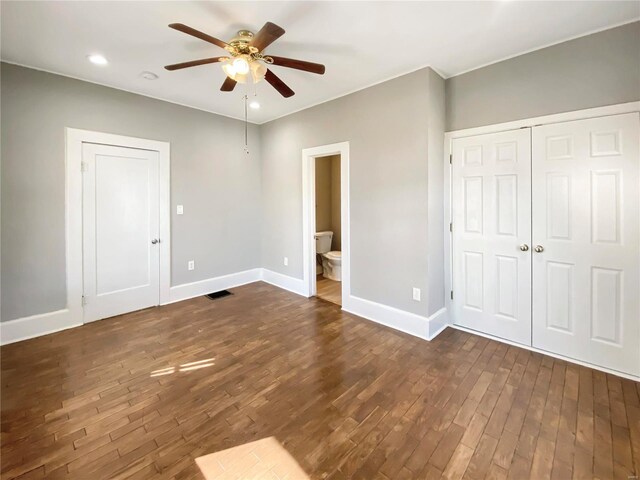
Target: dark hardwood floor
<point>144,394</point>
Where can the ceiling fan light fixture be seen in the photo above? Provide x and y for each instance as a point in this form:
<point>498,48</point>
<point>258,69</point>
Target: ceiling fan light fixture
<point>248,63</point>
<point>258,71</point>
<point>241,64</point>
<point>229,69</point>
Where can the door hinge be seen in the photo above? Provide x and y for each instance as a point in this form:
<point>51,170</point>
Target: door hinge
<point>83,166</point>
<point>451,159</point>
<point>84,300</point>
<point>451,227</point>
<point>451,294</point>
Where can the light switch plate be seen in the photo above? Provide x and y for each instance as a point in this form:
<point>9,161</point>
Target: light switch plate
<point>191,265</point>
<point>416,294</point>
<point>286,261</point>
<point>179,210</point>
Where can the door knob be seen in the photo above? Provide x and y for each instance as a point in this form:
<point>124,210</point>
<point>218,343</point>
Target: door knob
<point>154,241</point>
<point>524,247</point>
<point>539,249</point>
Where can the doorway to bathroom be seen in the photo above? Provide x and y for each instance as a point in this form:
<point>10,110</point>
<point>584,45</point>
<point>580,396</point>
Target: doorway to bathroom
<point>328,229</point>
<point>326,222</point>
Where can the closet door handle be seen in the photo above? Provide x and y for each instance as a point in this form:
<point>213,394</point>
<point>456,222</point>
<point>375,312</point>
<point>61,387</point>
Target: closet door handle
<point>539,249</point>
<point>524,247</point>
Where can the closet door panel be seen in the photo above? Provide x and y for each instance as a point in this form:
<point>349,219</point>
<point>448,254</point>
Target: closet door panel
<point>491,220</point>
<point>586,204</point>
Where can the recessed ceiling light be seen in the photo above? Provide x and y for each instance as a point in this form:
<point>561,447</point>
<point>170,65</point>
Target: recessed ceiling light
<point>254,105</point>
<point>149,76</point>
<point>97,59</point>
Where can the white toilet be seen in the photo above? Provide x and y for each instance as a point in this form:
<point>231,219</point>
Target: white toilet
<point>331,260</point>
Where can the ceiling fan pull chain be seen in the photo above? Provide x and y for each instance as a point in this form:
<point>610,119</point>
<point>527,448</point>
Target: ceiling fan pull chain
<point>246,125</point>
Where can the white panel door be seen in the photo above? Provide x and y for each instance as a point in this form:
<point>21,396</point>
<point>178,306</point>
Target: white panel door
<point>491,200</point>
<point>121,254</point>
<point>586,214</point>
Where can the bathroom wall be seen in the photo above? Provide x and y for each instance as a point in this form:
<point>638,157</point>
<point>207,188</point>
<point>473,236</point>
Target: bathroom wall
<point>328,198</point>
<point>336,224</point>
<point>323,194</point>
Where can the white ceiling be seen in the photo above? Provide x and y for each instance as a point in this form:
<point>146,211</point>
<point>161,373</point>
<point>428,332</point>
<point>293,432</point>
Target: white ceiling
<point>361,43</point>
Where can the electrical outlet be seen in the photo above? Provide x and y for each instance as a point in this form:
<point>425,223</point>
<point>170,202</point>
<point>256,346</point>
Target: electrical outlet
<point>286,261</point>
<point>191,265</point>
<point>179,210</point>
<point>416,294</point>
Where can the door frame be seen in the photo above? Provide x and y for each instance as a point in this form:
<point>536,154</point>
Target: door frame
<point>73,210</point>
<point>309,156</point>
<point>496,128</point>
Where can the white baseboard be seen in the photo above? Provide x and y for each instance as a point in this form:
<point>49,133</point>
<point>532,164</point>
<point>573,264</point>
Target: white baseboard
<point>196,289</point>
<point>423,327</point>
<point>417,325</point>
<point>545,352</point>
<point>438,322</point>
<point>36,326</point>
<point>295,285</point>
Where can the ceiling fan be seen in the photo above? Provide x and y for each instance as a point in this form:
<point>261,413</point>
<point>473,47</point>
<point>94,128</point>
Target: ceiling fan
<point>247,61</point>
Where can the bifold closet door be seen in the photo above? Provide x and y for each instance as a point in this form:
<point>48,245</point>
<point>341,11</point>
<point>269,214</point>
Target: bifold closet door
<point>586,260</point>
<point>491,200</point>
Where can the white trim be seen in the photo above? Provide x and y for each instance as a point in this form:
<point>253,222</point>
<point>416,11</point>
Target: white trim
<point>547,45</point>
<point>438,322</point>
<point>133,92</point>
<point>73,210</point>
<point>501,127</point>
<point>340,95</point>
<point>426,328</point>
<point>543,120</point>
<point>309,156</point>
<point>285,282</point>
<point>544,352</point>
<point>36,326</point>
<point>210,285</point>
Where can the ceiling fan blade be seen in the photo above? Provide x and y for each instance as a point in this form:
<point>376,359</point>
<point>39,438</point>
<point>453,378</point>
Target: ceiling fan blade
<point>278,84</point>
<point>195,33</point>
<point>194,63</point>
<point>228,85</point>
<point>267,35</point>
<point>298,64</point>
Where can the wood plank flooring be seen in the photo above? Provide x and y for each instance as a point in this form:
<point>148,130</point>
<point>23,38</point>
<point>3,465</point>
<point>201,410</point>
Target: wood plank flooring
<point>145,394</point>
<point>329,290</point>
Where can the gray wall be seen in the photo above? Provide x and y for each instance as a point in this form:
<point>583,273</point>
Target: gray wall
<point>218,184</point>
<point>592,71</point>
<point>435,192</point>
<point>386,126</point>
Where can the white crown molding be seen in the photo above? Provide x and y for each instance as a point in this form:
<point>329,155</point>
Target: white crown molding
<point>134,92</point>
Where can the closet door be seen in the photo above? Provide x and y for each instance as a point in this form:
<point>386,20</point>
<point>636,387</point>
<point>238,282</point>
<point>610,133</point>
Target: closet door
<point>491,200</point>
<point>586,258</point>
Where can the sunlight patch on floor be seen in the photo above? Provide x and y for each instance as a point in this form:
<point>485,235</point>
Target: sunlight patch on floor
<point>263,459</point>
<point>185,367</point>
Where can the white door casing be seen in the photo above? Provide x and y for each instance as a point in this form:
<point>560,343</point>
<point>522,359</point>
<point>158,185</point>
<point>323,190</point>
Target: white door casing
<point>586,204</point>
<point>120,198</point>
<point>491,212</point>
